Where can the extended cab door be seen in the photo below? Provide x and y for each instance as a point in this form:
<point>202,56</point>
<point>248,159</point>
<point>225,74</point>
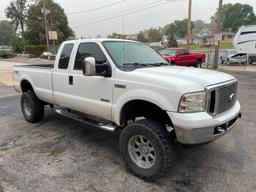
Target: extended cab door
<point>60,76</point>
<point>90,94</point>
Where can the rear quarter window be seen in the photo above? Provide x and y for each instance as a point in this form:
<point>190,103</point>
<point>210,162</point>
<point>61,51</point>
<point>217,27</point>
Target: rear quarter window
<point>65,56</point>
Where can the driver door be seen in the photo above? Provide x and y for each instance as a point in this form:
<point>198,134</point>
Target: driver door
<point>91,94</point>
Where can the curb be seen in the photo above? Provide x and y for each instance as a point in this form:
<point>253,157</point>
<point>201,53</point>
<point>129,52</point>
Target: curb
<point>5,96</point>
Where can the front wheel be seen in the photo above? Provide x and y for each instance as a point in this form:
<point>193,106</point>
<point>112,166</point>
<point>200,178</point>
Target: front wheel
<point>32,108</point>
<point>147,149</point>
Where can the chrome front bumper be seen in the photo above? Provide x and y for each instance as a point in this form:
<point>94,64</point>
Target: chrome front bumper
<point>198,128</point>
<point>205,134</point>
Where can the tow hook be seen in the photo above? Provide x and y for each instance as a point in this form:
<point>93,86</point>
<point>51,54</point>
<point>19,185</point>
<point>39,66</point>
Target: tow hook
<point>240,115</point>
<point>218,130</point>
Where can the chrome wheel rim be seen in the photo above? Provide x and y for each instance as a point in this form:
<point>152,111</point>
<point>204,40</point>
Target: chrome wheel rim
<point>142,151</point>
<point>27,107</point>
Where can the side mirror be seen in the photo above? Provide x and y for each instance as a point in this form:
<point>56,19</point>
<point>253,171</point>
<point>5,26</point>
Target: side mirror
<point>89,66</point>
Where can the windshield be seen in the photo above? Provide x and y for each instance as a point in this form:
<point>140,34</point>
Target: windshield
<point>232,52</point>
<point>133,55</point>
<point>168,52</point>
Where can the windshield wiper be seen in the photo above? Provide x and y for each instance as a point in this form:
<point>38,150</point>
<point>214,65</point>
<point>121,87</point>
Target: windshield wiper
<point>138,65</point>
<point>158,64</point>
<point>135,64</point>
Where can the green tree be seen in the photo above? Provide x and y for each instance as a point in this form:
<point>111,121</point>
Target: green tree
<point>199,24</point>
<point>154,35</point>
<point>17,12</point>
<point>19,45</point>
<point>169,29</point>
<point>7,33</point>
<point>235,15</point>
<point>172,29</point>
<point>171,36</point>
<point>181,27</point>
<point>56,21</point>
<point>141,37</point>
<point>113,35</point>
<point>172,41</point>
<point>166,30</point>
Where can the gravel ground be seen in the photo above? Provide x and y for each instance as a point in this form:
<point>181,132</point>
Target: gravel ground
<point>6,91</point>
<point>60,154</point>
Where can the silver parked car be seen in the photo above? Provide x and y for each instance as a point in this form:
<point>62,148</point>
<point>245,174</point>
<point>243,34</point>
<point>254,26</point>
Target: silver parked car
<point>230,56</point>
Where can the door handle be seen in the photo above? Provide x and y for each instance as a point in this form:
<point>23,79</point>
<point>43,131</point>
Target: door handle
<point>70,80</point>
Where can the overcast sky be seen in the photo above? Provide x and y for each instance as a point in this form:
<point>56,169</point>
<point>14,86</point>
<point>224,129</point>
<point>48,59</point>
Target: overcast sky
<point>154,17</point>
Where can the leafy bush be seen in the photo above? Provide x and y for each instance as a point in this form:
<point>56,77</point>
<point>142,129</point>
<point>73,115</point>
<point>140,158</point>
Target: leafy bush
<point>6,54</point>
<point>3,54</point>
<point>19,45</point>
<point>35,50</point>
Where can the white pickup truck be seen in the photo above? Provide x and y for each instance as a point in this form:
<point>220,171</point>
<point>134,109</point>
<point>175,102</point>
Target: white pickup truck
<point>120,84</point>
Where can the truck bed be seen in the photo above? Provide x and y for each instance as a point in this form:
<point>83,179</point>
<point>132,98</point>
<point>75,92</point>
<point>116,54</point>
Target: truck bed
<point>44,66</point>
<point>39,75</point>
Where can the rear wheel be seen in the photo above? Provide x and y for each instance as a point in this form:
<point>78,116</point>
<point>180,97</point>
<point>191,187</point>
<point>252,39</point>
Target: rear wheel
<point>147,149</point>
<point>198,64</point>
<point>249,60</point>
<point>32,108</point>
<point>221,61</point>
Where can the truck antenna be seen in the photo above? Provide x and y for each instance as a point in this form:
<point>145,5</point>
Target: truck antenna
<point>123,42</point>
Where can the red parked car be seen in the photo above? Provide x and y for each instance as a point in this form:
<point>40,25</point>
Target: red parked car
<point>182,57</point>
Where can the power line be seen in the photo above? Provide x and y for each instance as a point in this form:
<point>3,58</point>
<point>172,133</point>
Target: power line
<point>128,13</point>
<point>97,8</point>
<point>120,12</point>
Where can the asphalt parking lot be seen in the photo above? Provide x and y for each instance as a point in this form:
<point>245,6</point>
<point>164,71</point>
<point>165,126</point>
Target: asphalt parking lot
<point>60,154</point>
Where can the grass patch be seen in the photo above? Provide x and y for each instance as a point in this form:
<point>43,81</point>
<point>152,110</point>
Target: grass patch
<point>226,46</point>
<point>222,46</point>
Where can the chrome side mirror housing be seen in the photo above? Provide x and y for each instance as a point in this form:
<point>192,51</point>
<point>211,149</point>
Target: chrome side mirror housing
<point>89,66</point>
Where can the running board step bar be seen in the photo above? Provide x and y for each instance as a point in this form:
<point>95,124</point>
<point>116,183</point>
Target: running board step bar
<point>86,120</point>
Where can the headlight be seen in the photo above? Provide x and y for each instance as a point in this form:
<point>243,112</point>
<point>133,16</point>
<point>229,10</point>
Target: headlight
<point>192,102</point>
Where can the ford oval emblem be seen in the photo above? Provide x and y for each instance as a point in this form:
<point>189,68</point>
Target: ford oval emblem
<point>231,97</point>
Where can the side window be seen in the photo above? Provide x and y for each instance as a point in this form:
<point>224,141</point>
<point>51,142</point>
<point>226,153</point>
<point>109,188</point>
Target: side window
<point>89,50</point>
<point>185,52</point>
<point>65,56</point>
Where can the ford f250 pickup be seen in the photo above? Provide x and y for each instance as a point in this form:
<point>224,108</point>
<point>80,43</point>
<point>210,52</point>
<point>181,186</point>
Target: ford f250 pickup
<point>125,85</point>
<point>182,57</point>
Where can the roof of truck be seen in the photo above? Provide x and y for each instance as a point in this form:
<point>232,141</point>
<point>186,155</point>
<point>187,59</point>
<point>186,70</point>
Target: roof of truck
<point>176,48</point>
<point>97,40</point>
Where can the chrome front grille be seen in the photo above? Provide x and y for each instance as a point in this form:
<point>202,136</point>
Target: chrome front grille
<point>222,97</point>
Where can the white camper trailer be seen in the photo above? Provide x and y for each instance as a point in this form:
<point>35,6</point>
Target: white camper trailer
<point>245,42</point>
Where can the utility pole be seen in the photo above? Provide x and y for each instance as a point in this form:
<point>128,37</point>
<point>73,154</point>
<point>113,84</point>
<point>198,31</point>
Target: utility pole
<point>46,27</point>
<point>218,36</point>
<point>189,23</point>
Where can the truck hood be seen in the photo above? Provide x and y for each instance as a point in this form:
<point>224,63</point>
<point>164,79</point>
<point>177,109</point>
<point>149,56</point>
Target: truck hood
<point>190,78</point>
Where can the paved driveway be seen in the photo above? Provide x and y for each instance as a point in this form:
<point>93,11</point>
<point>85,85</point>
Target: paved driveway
<point>60,154</point>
